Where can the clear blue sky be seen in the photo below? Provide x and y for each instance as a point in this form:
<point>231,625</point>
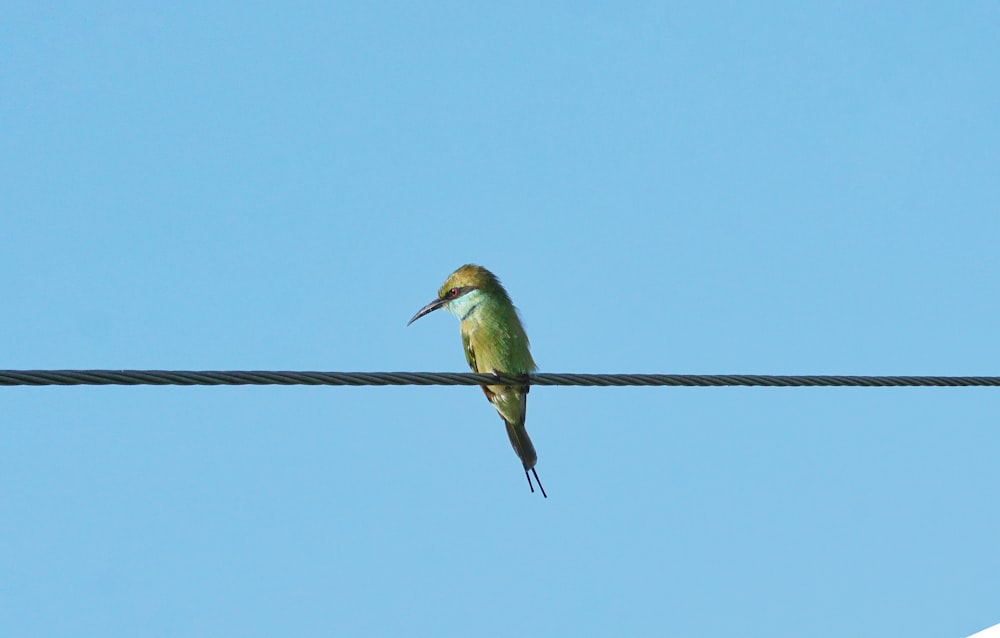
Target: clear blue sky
<point>675,188</point>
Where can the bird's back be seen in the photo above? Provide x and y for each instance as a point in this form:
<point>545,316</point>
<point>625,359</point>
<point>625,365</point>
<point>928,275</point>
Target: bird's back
<point>495,341</point>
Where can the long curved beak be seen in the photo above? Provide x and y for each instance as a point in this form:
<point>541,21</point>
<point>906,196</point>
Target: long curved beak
<point>429,308</point>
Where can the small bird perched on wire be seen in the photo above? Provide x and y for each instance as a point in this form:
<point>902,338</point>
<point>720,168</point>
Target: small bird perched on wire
<point>495,342</point>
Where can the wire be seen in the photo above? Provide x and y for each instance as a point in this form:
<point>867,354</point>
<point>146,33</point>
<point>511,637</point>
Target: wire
<point>253,377</point>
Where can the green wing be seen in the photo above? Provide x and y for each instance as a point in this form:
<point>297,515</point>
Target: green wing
<point>470,354</point>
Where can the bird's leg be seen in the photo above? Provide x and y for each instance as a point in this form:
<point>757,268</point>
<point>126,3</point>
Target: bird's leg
<point>524,378</point>
<point>496,373</point>
<point>530,486</point>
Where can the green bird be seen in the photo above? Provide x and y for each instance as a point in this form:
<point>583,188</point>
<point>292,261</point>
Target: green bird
<point>495,342</point>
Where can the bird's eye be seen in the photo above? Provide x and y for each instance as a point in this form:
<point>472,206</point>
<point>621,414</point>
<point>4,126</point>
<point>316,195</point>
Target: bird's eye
<point>453,293</point>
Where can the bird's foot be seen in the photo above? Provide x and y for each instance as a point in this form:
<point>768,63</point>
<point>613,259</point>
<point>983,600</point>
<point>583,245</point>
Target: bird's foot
<point>525,378</point>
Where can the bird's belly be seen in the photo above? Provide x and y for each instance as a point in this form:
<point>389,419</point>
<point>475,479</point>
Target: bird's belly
<point>507,401</point>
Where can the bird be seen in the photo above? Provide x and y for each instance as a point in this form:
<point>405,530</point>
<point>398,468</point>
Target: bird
<point>495,343</point>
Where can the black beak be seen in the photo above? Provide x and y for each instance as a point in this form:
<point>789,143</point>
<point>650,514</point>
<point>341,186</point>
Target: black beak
<point>429,308</point>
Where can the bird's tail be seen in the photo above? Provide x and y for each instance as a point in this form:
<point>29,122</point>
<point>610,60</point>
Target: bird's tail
<point>525,451</point>
<point>521,443</point>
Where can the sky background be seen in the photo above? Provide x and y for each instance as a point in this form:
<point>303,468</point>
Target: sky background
<point>700,188</point>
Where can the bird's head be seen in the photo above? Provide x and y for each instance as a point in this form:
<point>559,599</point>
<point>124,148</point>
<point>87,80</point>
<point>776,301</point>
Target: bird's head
<point>459,284</point>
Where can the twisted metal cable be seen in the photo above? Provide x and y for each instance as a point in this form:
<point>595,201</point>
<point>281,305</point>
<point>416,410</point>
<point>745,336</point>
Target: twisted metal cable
<point>256,377</point>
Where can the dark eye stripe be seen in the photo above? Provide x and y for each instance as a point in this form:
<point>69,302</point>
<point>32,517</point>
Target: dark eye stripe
<point>454,293</point>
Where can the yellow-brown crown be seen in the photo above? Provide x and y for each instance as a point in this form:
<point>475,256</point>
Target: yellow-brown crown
<point>471,275</point>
